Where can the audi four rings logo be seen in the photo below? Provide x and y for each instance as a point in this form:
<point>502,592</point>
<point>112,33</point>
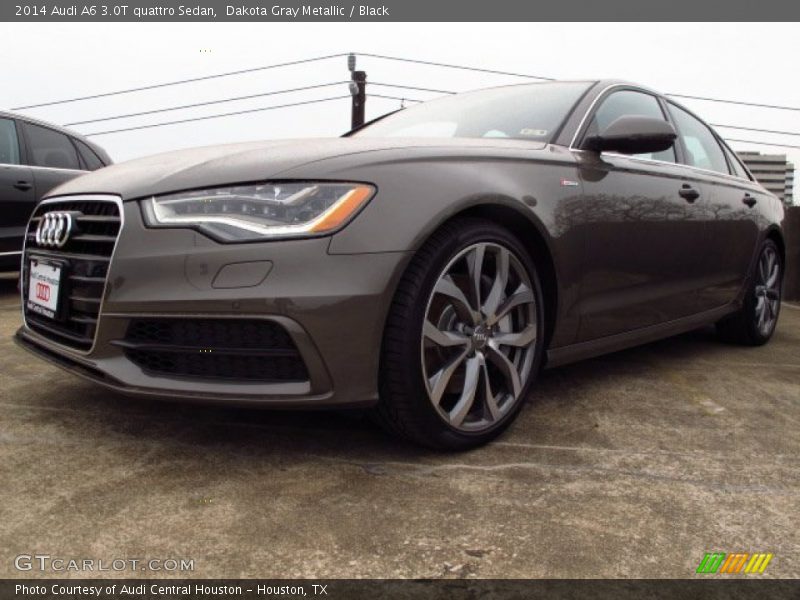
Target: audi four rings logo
<point>54,229</point>
<point>43,292</point>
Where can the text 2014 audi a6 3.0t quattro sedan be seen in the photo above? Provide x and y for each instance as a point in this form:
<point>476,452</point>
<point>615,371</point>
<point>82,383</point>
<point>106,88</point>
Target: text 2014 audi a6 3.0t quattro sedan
<point>425,266</point>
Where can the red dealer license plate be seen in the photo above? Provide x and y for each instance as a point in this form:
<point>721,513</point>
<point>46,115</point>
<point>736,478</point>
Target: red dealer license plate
<point>44,284</point>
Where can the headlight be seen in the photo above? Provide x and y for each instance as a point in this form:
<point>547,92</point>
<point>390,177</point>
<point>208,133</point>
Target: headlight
<point>260,211</point>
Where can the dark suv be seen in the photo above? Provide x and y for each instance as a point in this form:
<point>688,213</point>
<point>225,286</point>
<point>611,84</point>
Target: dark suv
<point>34,158</point>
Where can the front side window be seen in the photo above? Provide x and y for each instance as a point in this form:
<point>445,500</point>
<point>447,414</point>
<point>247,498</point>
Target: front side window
<point>523,112</point>
<point>702,149</point>
<point>629,103</point>
<point>9,144</point>
<point>48,148</point>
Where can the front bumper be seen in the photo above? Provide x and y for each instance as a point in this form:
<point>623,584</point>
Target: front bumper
<point>333,306</point>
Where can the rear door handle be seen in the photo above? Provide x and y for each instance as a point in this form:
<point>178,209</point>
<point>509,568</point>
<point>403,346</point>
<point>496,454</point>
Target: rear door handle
<point>749,200</point>
<point>23,186</point>
<point>688,193</point>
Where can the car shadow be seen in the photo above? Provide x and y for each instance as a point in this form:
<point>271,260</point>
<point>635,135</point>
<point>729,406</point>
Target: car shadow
<point>242,435</point>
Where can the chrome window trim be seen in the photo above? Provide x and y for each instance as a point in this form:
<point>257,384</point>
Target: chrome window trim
<point>45,168</point>
<point>674,164</point>
<point>601,94</point>
<point>718,174</point>
<point>78,197</point>
<point>631,157</point>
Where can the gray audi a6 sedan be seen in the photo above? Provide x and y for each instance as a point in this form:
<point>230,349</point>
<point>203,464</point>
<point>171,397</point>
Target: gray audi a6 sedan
<point>425,266</point>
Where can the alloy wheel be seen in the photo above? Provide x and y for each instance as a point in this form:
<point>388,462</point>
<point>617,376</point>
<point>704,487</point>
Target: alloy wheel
<point>767,290</point>
<point>479,337</point>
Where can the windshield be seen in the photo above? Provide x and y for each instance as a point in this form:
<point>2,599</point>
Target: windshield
<point>529,112</point>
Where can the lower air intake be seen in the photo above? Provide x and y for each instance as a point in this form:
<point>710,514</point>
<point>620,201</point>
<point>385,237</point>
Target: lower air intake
<point>251,350</point>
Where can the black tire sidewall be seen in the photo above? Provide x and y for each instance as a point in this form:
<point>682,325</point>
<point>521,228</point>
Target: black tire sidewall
<point>460,237</point>
<point>749,311</point>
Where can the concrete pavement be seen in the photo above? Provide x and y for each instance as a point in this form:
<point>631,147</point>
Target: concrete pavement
<point>630,465</point>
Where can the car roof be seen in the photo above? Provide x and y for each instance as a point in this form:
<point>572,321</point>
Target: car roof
<point>592,84</point>
<point>99,150</point>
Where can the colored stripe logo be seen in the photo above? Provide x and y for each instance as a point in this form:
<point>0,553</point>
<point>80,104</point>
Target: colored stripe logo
<point>737,562</point>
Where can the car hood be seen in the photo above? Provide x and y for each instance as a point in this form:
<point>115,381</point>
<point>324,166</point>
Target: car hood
<point>258,161</point>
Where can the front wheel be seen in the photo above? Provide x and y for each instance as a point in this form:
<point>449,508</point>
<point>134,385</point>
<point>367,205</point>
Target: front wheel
<point>755,323</point>
<point>464,338</point>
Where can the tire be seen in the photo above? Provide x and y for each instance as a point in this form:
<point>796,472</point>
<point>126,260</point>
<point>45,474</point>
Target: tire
<point>427,378</point>
<point>762,301</point>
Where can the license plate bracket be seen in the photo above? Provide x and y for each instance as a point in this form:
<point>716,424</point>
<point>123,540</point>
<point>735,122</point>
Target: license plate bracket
<point>46,278</point>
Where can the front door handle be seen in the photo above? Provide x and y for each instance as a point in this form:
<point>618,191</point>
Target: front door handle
<point>688,193</point>
<point>749,200</point>
<point>23,186</point>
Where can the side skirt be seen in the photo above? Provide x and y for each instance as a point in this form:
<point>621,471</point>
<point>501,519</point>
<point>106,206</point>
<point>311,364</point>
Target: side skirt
<point>620,341</point>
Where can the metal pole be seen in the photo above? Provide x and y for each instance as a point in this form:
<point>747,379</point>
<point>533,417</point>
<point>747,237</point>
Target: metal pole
<point>359,98</point>
<point>358,92</point>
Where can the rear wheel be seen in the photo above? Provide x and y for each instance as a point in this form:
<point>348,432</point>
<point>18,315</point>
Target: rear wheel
<point>755,323</point>
<point>462,344</point>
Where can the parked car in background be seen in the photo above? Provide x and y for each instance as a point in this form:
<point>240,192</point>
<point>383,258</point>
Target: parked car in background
<point>34,158</point>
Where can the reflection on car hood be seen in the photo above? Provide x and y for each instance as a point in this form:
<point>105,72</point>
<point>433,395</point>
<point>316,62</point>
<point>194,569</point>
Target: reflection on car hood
<point>258,161</point>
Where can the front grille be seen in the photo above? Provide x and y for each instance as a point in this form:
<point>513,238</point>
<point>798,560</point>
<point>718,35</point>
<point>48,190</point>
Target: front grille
<point>229,349</point>
<point>86,258</point>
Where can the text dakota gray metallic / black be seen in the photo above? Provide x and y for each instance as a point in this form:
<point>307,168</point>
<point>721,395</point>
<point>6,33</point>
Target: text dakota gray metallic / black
<point>425,266</point>
<point>276,10</point>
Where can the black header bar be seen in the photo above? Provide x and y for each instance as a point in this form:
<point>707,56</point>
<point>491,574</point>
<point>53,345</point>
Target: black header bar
<point>401,10</point>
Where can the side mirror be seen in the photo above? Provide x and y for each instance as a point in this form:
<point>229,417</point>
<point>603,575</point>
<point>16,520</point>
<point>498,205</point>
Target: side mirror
<point>633,135</point>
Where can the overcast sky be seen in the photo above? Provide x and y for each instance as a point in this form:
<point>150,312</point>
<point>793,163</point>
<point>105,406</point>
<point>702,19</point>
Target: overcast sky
<point>46,61</point>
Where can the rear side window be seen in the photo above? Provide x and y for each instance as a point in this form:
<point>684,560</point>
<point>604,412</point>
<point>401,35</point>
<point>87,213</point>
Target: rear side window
<point>9,144</point>
<point>88,156</point>
<point>702,148</point>
<point>629,103</point>
<point>736,165</point>
<point>48,148</point>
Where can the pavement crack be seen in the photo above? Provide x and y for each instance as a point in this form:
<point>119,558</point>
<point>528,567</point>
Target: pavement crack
<point>385,468</point>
